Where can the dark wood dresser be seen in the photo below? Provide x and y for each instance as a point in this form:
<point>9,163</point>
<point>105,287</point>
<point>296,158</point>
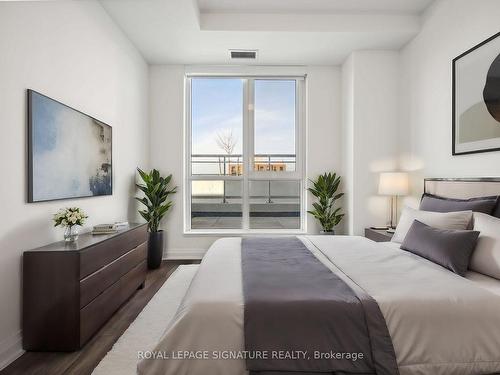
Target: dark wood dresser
<point>71,290</point>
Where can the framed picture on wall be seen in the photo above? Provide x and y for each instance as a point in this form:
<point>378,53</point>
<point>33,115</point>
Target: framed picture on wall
<point>69,152</point>
<point>476,98</point>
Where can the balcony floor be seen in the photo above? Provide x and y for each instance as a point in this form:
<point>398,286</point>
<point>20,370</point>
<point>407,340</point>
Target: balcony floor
<point>255,223</point>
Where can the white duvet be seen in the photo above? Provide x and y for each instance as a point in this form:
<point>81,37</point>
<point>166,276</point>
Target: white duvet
<point>440,323</point>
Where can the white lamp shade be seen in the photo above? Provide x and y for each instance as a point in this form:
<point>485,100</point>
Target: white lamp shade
<point>393,183</point>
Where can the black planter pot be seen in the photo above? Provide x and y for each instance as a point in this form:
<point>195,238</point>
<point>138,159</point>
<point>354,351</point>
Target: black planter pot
<point>155,249</point>
<point>327,233</point>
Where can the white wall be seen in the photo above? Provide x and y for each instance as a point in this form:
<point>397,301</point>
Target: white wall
<point>370,133</point>
<point>166,154</point>
<point>347,147</point>
<point>73,52</point>
<point>324,128</point>
<point>449,27</point>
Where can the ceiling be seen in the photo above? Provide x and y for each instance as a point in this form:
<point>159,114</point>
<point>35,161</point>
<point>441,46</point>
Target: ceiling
<point>285,32</point>
<point>313,6</point>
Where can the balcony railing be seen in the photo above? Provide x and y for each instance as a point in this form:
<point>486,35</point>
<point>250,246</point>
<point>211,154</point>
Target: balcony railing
<point>270,198</point>
<point>232,164</point>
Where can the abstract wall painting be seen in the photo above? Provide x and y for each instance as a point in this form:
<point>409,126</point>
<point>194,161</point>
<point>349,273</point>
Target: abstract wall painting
<point>69,152</point>
<point>476,99</point>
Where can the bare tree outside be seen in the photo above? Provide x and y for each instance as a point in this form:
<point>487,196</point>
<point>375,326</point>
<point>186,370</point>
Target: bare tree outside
<point>227,142</point>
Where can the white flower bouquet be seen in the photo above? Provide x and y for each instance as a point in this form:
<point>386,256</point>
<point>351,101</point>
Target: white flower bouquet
<point>70,216</point>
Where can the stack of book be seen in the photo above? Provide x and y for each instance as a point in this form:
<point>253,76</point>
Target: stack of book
<point>109,228</point>
<point>121,225</point>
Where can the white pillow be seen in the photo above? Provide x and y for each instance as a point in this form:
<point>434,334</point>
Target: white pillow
<point>440,220</point>
<point>486,258</point>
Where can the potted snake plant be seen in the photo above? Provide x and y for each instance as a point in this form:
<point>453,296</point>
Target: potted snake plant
<point>324,188</point>
<point>156,191</point>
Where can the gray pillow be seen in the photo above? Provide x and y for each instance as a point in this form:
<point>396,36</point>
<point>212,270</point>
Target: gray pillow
<point>496,211</point>
<point>436,203</point>
<point>449,248</point>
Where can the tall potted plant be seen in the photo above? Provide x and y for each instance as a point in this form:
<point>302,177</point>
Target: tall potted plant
<point>156,191</point>
<point>325,190</point>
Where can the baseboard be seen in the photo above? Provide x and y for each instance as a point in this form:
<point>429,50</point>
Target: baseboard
<point>11,349</point>
<point>178,254</point>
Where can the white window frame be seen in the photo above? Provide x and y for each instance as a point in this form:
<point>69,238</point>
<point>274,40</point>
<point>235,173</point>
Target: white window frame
<point>299,174</point>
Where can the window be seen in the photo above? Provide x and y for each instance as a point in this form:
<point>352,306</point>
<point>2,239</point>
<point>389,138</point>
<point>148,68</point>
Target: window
<point>244,154</point>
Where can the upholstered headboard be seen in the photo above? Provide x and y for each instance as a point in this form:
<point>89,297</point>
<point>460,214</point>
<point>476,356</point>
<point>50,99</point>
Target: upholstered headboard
<point>462,188</point>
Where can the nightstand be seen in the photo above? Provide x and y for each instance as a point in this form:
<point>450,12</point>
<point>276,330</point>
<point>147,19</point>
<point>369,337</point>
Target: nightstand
<point>378,235</point>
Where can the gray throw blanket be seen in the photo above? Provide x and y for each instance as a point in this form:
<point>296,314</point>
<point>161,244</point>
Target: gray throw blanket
<point>302,318</point>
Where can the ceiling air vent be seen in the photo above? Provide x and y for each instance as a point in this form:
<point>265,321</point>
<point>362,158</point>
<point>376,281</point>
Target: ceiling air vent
<point>242,54</point>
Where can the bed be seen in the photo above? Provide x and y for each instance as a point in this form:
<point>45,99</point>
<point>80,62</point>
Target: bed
<point>439,322</point>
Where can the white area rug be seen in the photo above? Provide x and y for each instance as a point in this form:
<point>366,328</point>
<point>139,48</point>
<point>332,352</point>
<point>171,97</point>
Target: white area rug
<point>146,330</point>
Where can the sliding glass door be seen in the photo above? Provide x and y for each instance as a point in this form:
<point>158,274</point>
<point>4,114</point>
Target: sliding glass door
<point>244,158</point>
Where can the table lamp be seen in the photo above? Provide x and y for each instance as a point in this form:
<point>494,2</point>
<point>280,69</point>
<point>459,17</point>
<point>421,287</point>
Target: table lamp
<point>393,184</point>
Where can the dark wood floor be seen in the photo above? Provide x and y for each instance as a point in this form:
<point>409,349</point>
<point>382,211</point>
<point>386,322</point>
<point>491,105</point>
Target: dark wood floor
<point>85,360</point>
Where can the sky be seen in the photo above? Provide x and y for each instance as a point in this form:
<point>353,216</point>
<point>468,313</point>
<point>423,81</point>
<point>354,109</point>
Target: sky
<point>217,108</point>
